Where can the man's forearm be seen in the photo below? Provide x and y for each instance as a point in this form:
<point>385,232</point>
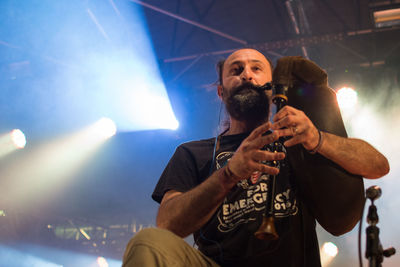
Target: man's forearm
<point>187,212</point>
<point>354,155</point>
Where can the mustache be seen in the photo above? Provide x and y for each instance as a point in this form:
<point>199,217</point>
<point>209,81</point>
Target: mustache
<point>248,85</point>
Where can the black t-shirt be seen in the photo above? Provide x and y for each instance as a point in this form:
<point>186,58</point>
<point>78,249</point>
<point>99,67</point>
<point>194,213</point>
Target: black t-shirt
<point>228,237</point>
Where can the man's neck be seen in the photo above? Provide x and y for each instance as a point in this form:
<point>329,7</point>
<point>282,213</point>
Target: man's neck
<point>237,127</point>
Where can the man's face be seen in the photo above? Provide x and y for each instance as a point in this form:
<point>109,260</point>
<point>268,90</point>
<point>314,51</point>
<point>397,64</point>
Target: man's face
<point>243,72</point>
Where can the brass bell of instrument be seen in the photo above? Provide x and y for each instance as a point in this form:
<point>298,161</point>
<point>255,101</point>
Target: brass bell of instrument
<point>267,229</point>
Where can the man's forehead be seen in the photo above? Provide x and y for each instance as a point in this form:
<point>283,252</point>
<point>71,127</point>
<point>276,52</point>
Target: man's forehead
<point>244,55</point>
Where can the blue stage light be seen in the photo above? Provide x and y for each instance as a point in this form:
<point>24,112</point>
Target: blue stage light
<point>125,79</point>
<point>90,59</point>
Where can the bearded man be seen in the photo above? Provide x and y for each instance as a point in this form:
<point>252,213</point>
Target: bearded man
<point>217,189</point>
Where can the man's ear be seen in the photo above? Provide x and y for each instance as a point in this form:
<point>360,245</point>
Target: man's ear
<point>220,91</point>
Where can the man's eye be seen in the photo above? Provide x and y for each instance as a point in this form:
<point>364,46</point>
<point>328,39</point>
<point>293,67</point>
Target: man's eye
<point>237,70</point>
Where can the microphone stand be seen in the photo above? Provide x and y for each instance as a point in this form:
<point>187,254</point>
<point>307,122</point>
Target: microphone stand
<point>374,251</point>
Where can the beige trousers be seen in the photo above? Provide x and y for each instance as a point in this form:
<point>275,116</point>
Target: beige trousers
<point>159,247</point>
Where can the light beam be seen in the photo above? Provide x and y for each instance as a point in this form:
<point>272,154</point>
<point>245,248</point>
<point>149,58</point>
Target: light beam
<point>50,166</point>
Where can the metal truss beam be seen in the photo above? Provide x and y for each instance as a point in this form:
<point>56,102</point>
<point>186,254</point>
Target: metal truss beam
<point>296,42</point>
<point>191,22</point>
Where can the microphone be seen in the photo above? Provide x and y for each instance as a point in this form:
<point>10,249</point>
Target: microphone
<point>267,87</point>
<point>374,192</point>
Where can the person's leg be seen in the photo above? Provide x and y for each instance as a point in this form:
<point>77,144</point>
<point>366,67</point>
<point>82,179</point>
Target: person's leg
<point>159,247</point>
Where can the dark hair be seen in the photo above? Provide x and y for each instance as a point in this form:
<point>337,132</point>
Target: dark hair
<point>220,68</point>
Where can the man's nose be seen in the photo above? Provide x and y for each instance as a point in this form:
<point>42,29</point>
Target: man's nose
<point>246,75</point>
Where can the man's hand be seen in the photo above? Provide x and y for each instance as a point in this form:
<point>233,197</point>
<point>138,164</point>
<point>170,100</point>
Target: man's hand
<point>354,155</point>
<point>296,124</point>
<point>248,157</point>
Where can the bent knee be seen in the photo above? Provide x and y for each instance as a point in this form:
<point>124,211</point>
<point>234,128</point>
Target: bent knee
<point>145,234</point>
<point>155,242</point>
<point>153,237</point>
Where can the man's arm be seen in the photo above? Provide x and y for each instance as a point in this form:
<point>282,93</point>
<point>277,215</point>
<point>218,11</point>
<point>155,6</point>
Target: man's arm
<point>354,155</point>
<point>184,213</point>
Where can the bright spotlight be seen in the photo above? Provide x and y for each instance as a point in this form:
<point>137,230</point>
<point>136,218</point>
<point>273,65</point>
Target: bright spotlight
<point>328,251</point>
<point>146,109</point>
<point>18,138</point>
<point>175,124</point>
<point>347,98</point>
<point>11,141</point>
<point>104,128</point>
<point>102,262</point>
<point>172,124</point>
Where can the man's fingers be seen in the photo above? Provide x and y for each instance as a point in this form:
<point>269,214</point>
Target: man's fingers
<point>291,131</point>
<point>294,141</point>
<point>259,131</point>
<point>262,155</point>
<point>286,121</point>
<point>281,114</point>
<point>284,132</point>
<point>285,111</point>
<point>266,139</point>
<point>268,169</point>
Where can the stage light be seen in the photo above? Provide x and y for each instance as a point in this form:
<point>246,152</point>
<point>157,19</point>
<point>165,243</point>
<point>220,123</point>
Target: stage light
<point>102,262</point>
<point>347,98</point>
<point>328,251</point>
<point>387,17</point>
<point>104,128</point>
<point>12,141</point>
<point>18,138</point>
<point>174,124</point>
<point>153,111</point>
<point>83,232</point>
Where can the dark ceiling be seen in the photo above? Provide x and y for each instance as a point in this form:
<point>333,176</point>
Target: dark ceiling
<point>335,34</point>
<point>190,37</point>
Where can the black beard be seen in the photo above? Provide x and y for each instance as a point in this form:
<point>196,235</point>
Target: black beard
<point>249,103</point>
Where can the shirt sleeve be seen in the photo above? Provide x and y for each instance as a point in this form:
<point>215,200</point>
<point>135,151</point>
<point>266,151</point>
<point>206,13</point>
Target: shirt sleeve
<point>180,174</point>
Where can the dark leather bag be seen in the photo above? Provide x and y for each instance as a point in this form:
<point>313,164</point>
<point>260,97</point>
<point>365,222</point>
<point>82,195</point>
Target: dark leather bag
<point>333,196</point>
